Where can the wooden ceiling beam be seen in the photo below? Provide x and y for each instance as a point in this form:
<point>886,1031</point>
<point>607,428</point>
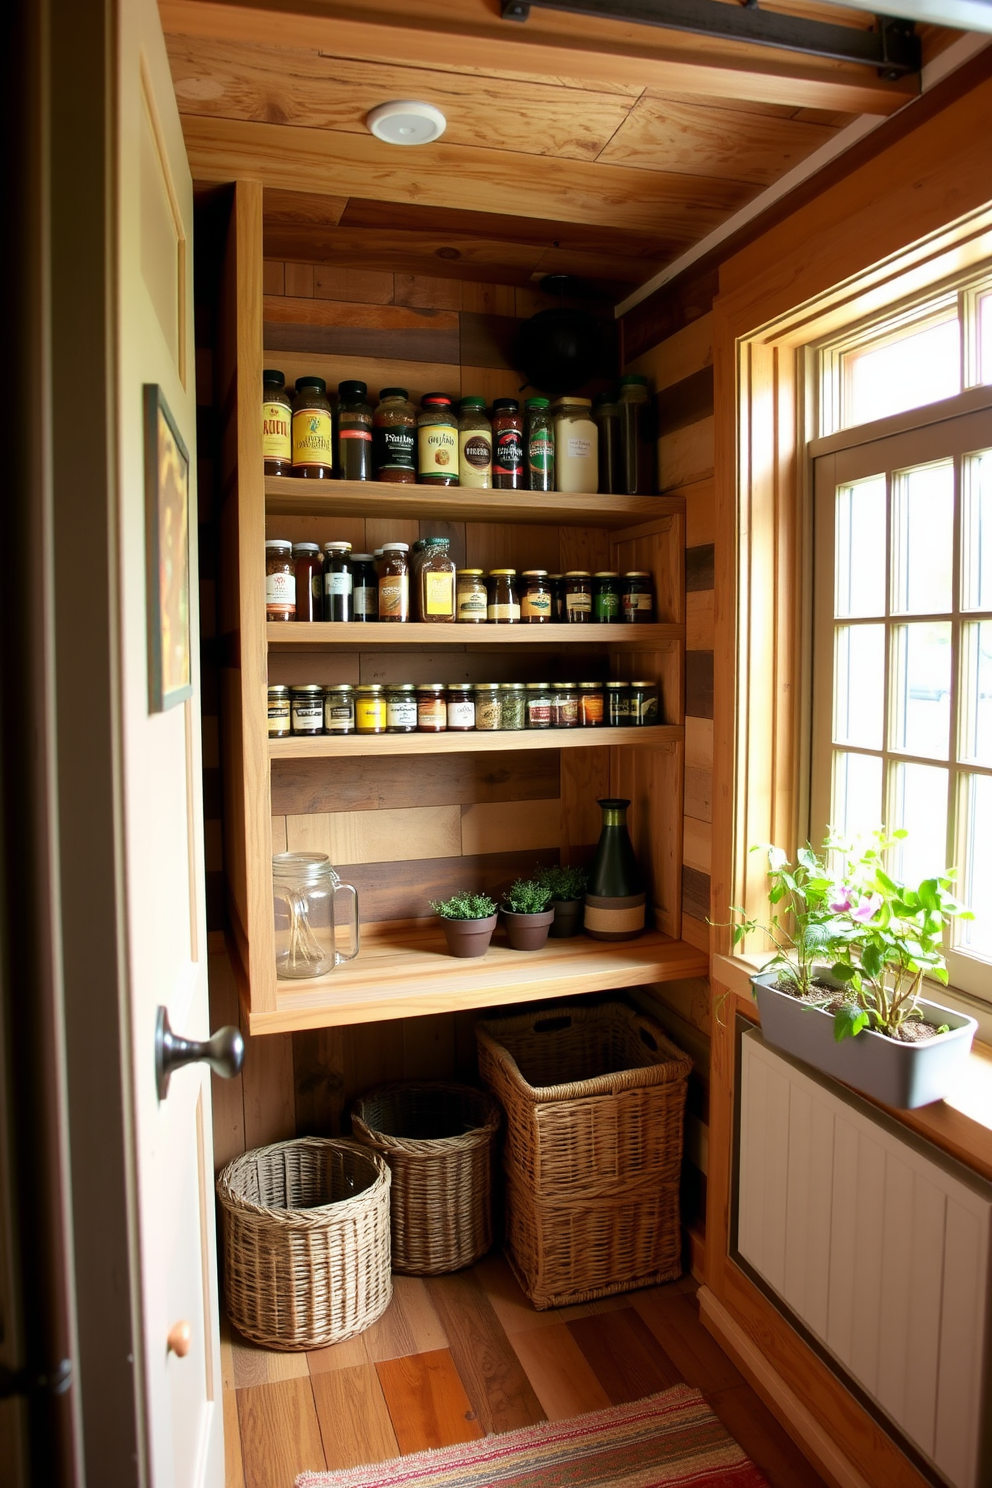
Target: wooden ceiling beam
<point>472,37</point>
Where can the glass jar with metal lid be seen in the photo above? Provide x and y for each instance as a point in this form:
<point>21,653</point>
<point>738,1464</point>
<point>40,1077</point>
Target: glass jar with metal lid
<point>364,588</point>
<point>307,708</point>
<point>471,598</point>
<point>280,580</point>
<point>538,705</point>
<point>637,597</point>
<point>338,582</point>
<point>540,442</point>
<point>437,441</point>
<point>535,597</point>
<point>475,444</point>
<point>591,711</point>
<point>606,597</point>
<point>313,441</point>
<point>578,597</point>
<point>488,710</point>
<point>394,438</point>
<point>432,708</point>
<point>576,445</point>
<point>643,706</point>
<point>370,708</point>
<point>280,719</point>
<point>503,606</point>
<point>339,708</point>
<point>617,699</point>
<point>461,707</point>
<point>513,705</point>
<point>564,705</point>
<point>394,583</point>
<point>557,585</point>
<point>401,708</point>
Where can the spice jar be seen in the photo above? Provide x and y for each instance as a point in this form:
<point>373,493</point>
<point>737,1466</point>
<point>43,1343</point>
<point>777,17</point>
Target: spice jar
<point>394,583</point>
<point>280,580</point>
<point>540,438</point>
<point>591,704</point>
<point>309,569</point>
<point>564,705</point>
<point>503,605</point>
<point>339,708</point>
<point>471,598</point>
<point>394,438</point>
<point>643,704</point>
<point>354,432</point>
<point>280,720</point>
<point>461,707</point>
<point>277,417</point>
<point>508,445</point>
<point>576,445</point>
<point>436,582</point>
<point>370,708</point>
<point>364,588</point>
<point>557,585</point>
<point>513,705</point>
<point>617,700</point>
<point>535,597</point>
<point>337,581</point>
<point>313,447</point>
<point>538,705</point>
<point>437,441</point>
<point>606,412</point>
<point>606,597</point>
<point>432,708</point>
<point>488,711</point>
<point>578,597</point>
<point>475,445</point>
<point>637,597</point>
<point>307,702</point>
<point>401,708</point>
<point>637,436</point>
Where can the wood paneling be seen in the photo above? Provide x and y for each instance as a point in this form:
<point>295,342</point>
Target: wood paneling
<point>492,828</point>
<point>678,355</point>
<point>385,836</point>
<point>401,890</point>
<point>330,327</point>
<point>699,684</point>
<point>685,456</point>
<point>699,620</point>
<point>368,784</point>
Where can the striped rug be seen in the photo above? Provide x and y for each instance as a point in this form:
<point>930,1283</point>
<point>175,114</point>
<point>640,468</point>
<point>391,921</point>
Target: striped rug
<point>665,1440</point>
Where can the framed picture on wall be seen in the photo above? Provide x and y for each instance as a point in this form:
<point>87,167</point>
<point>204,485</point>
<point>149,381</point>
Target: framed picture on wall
<point>170,678</point>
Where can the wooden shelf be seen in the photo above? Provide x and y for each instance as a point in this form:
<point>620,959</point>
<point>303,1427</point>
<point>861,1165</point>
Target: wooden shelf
<point>285,496</point>
<point>326,746</point>
<point>285,636</point>
<point>409,973</point>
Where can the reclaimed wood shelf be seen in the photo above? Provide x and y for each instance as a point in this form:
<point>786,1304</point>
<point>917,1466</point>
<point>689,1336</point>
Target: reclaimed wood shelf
<point>286,496</point>
<point>326,746</point>
<point>402,973</point>
<point>289,636</point>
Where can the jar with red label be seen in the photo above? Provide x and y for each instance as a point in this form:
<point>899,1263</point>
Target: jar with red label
<point>353,432</point>
<point>508,446</point>
<point>280,580</point>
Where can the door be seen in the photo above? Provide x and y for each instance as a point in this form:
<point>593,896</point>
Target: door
<point>160,732</point>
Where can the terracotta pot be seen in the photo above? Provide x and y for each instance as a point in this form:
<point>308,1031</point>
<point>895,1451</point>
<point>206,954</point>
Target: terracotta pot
<point>527,932</point>
<point>901,1075</point>
<point>468,937</point>
<point>568,917</point>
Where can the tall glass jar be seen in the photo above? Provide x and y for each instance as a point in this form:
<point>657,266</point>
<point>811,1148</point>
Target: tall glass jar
<point>337,581</point>
<point>606,412</point>
<point>309,569</point>
<point>637,436</point>
<point>353,432</point>
<point>280,714</point>
<point>280,580</point>
<point>637,597</point>
<point>277,417</point>
<point>475,445</point>
<point>576,445</point>
<point>394,438</point>
<point>370,708</point>
<point>437,441</point>
<point>394,583</point>
<point>591,704</point>
<point>503,607</point>
<point>508,446</point>
<point>313,438</point>
<point>365,588</point>
<point>617,700</point>
<point>436,582</point>
<point>306,892</point>
<point>307,708</point>
<point>540,440</point>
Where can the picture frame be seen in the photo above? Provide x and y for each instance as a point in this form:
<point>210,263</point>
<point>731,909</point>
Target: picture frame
<point>167,555</point>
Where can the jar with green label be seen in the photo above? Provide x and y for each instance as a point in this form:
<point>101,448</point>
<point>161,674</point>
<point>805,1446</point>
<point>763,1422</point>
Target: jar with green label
<point>475,445</point>
<point>394,438</point>
<point>437,441</point>
<point>277,418</point>
<point>539,437</point>
<point>313,442</point>
<point>513,705</point>
<point>471,598</point>
<point>606,597</point>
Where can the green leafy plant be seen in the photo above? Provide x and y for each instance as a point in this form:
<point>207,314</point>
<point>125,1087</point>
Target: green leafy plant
<point>464,906</point>
<point>561,882</point>
<point>527,896</point>
<point>803,928</point>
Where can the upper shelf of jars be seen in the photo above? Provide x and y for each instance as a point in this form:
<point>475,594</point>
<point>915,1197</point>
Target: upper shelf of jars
<point>347,633</point>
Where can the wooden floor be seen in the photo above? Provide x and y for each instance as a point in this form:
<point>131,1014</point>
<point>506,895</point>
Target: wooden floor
<point>460,1356</point>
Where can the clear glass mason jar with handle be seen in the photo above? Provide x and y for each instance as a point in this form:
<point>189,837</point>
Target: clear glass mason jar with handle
<point>305,889</point>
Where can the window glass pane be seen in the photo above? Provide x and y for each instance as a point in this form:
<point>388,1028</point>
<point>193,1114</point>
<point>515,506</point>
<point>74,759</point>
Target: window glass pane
<point>921,688</point>
<point>976,532</point>
<point>976,864</point>
<point>975,691</point>
<point>985,338</point>
<point>859,685</point>
<point>859,587</point>
<point>923,539</point>
<point>857,793</point>
<point>915,367</point>
<point>918,802</point>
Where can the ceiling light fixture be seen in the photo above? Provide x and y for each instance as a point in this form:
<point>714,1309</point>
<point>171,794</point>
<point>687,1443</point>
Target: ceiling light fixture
<point>406,123</point>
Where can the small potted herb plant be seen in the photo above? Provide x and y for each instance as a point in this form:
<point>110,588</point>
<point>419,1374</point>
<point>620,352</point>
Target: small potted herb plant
<point>568,888</point>
<point>468,921</point>
<point>526,914</point>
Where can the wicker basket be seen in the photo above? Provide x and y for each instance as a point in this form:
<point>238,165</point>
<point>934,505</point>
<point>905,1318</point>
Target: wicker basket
<point>594,1098</point>
<point>306,1242</point>
<point>438,1140</point>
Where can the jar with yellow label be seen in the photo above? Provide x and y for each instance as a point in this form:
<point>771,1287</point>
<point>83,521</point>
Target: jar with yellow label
<point>370,708</point>
<point>436,582</point>
<point>432,708</point>
<point>535,597</point>
<point>280,725</point>
<point>277,417</point>
<point>339,708</point>
<point>488,711</point>
<point>503,606</point>
<point>313,444</point>
<point>307,708</point>
<point>471,600</point>
<point>437,441</point>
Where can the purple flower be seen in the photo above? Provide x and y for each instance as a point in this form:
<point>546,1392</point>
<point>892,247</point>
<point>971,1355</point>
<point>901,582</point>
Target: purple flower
<point>867,908</point>
<point>842,904</point>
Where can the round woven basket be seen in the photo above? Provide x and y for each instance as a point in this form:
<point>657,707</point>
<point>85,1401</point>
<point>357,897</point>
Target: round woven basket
<point>306,1242</point>
<point>438,1141</point>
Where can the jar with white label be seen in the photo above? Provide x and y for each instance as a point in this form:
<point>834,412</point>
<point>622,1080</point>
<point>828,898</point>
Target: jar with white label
<point>280,724</point>
<point>461,707</point>
<point>280,580</point>
<point>308,708</point>
<point>578,597</point>
<point>576,445</point>
<point>401,708</point>
<point>337,581</point>
<point>339,708</point>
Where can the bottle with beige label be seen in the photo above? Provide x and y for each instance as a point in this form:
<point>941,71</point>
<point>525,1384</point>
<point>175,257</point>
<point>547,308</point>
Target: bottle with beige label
<point>576,445</point>
<point>615,896</point>
<point>475,445</point>
<point>437,441</point>
<point>394,583</point>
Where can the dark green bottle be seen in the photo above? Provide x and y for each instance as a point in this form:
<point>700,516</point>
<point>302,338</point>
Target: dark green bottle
<point>615,896</point>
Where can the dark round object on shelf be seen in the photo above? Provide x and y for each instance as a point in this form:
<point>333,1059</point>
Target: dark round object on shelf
<point>559,350</point>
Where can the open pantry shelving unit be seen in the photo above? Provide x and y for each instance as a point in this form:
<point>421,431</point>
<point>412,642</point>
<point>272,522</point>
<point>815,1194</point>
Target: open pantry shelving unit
<point>402,969</point>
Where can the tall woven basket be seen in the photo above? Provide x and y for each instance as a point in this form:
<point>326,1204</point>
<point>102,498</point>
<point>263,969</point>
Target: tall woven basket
<point>594,1099</point>
<point>305,1242</point>
<point>438,1140</point>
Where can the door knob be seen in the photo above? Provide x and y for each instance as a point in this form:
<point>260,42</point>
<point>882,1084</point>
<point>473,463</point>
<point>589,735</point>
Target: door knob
<point>224,1052</point>
<point>180,1339</point>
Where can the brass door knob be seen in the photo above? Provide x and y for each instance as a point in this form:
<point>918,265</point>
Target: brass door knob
<point>180,1339</point>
